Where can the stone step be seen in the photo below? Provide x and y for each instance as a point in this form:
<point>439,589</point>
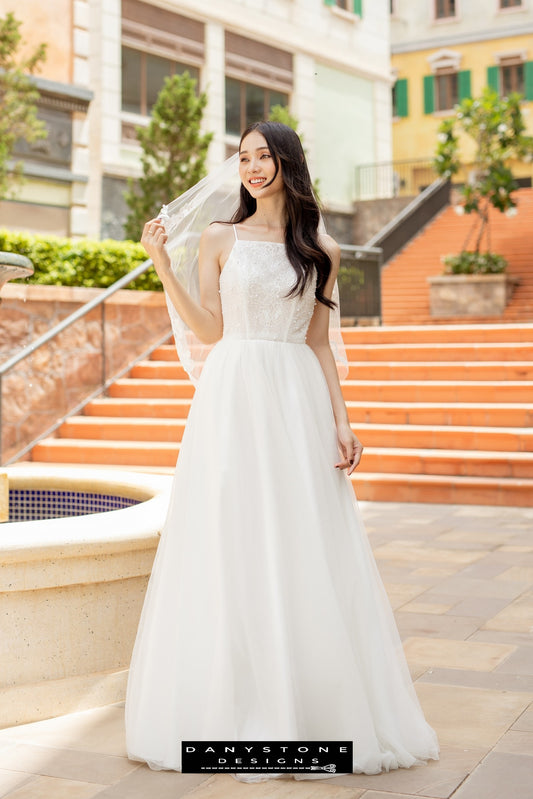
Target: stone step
<point>474,351</point>
<point>499,439</point>
<point>428,413</point>
<point>436,333</point>
<point>442,489</point>
<point>129,387</point>
<point>456,333</point>
<point>145,407</point>
<point>372,390</point>
<point>361,370</point>
<point>368,486</point>
<point>375,459</point>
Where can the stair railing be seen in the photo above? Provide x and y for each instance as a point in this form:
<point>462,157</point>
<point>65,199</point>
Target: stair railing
<point>105,381</point>
<point>411,219</point>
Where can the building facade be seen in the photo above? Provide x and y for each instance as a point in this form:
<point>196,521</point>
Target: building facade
<point>53,198</point>
<point>445,50</point>
<point>327,60</point>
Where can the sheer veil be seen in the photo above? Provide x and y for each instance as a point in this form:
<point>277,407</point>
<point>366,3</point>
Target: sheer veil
<point>215,197</point>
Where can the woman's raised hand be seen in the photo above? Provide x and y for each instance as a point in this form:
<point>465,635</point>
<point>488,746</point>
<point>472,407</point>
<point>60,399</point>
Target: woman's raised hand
<point>153,240</point>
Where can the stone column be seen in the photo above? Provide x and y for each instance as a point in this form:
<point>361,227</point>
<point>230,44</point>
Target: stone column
<point>383,125</point>
<point>212,81</point>
<point>79,216</point>
<point>303,104</point>
<point>104,128</point>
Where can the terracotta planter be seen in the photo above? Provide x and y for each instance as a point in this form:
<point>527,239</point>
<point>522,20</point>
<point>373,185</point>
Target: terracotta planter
<point>470,295</point>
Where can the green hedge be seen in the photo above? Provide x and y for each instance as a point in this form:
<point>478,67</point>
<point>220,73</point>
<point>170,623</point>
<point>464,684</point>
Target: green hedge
<point>64,262</point>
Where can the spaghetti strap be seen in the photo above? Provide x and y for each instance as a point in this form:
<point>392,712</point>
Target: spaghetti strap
<point>235,231</point>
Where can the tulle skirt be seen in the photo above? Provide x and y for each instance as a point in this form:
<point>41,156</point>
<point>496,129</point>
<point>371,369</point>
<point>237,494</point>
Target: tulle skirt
<point>265,616</point>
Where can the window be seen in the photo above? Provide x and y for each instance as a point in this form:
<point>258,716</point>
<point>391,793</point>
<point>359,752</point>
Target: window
<point>400,106</point>
<point>143,75</point>
<point>512,79</point>
<point>444,9</point>
<point>247,103</point>
<point>446,91</point>
<point>510,3</point>
<point>355,6</point>
<point>513,74</point>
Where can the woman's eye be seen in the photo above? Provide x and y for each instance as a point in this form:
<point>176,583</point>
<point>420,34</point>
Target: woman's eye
<point>265,155</point>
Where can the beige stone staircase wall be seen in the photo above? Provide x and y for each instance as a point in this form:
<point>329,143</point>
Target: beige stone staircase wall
<point>48,384</point>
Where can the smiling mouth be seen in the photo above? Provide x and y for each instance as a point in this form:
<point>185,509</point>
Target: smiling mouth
<point>257,181</point>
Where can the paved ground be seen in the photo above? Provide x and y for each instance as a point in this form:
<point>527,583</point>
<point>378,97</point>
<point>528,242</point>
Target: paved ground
<point>460,579</point>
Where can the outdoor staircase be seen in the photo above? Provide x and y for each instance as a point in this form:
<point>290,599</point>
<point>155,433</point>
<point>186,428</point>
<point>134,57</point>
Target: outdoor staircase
<point>405,290</point>
<point>445,414</point>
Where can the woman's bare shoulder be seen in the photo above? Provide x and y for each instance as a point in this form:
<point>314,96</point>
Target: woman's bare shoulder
<point>217,233</point>
<point>216,242</point>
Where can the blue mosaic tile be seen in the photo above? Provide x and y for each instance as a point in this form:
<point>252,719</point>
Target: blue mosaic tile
<point>30,504</point>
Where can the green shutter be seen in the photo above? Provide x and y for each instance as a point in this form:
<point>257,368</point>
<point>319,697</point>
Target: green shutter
<point>402,102</point>
<point>330,2</point>
<point>358,7</point>
<point>429,94</point>
<point>528,80</point>
<point>464,84</point>
<point>493,78</point>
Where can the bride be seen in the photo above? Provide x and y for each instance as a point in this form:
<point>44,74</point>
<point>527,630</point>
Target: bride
<point>265,617</point>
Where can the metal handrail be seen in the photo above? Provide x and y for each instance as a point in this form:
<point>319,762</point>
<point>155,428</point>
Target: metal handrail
<point>5,367</point>
<point>125,280</point>
<point>396,233</point>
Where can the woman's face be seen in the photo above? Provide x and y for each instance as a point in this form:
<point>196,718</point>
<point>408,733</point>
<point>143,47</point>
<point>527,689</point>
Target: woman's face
<point>257,167</point>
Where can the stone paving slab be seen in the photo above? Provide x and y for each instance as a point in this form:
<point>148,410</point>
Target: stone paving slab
<point>500,775</point>
<point>53,788</point>
<point>460,579</point>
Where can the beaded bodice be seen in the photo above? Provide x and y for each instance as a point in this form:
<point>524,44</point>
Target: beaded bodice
<point>254,280</point>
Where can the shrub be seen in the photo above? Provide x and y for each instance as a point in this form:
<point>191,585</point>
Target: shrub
<point>474,263</point>
<point>94,264</point>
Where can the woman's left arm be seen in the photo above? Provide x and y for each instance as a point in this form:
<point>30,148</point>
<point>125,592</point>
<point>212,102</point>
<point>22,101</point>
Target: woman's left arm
<point>317,338</point>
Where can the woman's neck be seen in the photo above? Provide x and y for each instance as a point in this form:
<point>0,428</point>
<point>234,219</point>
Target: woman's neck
<point>270,214</point>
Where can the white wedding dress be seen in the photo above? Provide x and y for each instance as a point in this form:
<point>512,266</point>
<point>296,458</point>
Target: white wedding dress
<point>265,617</point>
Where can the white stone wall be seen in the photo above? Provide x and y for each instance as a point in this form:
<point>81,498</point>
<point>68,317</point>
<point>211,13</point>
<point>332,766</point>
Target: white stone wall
<point>414,26</point>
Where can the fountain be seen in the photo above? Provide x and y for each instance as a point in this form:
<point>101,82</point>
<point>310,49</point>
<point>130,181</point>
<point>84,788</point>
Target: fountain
<point>13,266</point>
<point>76,550</point>
<point>75,557</point>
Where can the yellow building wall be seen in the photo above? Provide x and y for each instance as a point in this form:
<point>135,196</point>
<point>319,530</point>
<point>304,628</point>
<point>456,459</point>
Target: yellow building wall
<point>414,136</point>
<point>49,22</point>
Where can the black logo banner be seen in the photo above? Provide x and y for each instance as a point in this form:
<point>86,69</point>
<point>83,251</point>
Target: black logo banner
<point>267,757</point>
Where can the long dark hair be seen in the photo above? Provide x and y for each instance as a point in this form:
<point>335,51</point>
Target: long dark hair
<point>303,214</point>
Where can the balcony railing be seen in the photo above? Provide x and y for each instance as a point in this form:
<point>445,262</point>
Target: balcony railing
<point>393,179</point>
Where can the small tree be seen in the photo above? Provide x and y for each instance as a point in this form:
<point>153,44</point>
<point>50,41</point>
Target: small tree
<point>18,98</point>
<point>174,151</point>
<point>497,127</point>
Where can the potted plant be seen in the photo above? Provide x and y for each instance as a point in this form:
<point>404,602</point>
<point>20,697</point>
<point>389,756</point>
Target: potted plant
<point>475,281</point>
